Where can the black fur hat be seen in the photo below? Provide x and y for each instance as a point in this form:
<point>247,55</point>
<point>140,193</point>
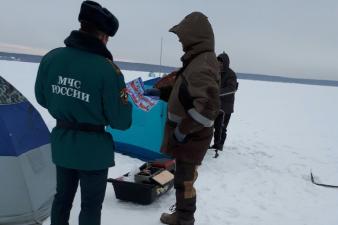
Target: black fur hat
<point>99,16</point>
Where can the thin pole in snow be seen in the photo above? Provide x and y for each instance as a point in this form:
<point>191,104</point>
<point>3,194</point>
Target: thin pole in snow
<point>228,93</point>
<point>161,52</point>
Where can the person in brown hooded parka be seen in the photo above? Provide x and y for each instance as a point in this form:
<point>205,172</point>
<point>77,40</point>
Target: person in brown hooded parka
<point>193,105</point>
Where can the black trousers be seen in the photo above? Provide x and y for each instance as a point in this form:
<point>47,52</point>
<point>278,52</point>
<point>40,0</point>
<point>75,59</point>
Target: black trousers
<point>185,177</point>
<point>221,124</point>
<point>93,188</point>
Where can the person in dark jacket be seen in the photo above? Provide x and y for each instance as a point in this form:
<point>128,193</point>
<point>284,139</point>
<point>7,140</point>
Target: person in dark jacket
<point>84,91</point>
<point>228,88</point>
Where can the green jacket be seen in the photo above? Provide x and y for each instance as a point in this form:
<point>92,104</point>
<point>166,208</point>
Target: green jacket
<point>80,83</point>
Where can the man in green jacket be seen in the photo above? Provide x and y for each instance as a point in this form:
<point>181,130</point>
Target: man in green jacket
<point>84,91</point>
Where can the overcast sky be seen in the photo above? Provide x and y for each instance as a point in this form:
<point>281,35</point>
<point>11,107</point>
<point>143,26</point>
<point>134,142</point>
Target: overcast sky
<point>296,38</point>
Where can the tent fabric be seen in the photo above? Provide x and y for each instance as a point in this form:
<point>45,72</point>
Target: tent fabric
<point>143,140</point>
<point>21,129</point>
<point>35,218</point>
<point>21,126</point>
<point>27,174</point>
<point>25,199</point>
<point>8,94</point>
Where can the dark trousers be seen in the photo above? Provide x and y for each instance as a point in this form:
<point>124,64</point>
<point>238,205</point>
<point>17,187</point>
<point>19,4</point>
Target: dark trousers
<point>221,124</point>
<point>93,188</point>
<point>185,177</point>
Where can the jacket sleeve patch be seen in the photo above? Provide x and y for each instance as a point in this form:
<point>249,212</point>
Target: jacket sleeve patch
<point>124,96</point>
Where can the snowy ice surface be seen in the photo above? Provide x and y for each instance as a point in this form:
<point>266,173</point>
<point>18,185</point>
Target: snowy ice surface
<point>278,133</point>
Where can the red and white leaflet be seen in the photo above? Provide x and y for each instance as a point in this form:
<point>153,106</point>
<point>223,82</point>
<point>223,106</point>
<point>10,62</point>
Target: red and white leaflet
<point>135,90</point>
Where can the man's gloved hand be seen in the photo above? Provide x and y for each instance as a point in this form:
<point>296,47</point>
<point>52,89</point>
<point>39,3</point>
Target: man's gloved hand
<point>152,92</point>
<point>177,138</point>
<point>168,80</point>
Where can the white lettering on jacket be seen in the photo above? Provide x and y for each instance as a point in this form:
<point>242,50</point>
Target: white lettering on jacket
<point>70,87</point>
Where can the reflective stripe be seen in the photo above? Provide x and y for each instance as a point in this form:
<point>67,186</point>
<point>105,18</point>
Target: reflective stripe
<point>200,118</point>
<point>174,118</point>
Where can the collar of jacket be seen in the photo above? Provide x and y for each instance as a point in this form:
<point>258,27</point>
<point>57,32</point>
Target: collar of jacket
<point>189,56</point>
<point>88,43</point>
<point>196,50</point>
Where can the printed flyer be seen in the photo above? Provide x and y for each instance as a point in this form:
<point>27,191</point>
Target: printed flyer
<point>135,90</point>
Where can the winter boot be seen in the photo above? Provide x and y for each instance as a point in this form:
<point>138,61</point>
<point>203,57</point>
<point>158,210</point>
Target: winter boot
<point>170,219</point>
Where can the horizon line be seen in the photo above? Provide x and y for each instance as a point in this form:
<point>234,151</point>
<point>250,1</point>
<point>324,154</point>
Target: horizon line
<point>147,67</point>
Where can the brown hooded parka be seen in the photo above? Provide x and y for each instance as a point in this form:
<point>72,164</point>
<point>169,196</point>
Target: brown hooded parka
<point>194,100</point>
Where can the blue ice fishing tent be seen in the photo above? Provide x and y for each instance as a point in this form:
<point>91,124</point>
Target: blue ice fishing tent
<point>143,140</point>
<point>27,174</point>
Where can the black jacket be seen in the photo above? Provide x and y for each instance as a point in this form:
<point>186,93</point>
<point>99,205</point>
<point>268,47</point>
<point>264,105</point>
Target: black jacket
<point>228,85</point>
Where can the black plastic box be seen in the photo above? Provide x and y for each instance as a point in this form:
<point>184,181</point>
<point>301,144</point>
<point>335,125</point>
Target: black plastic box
<point>144,193</point>
<point>140,193</point>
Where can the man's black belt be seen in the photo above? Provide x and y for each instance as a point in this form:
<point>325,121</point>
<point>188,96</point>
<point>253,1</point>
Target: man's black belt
<point>86,127</point>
